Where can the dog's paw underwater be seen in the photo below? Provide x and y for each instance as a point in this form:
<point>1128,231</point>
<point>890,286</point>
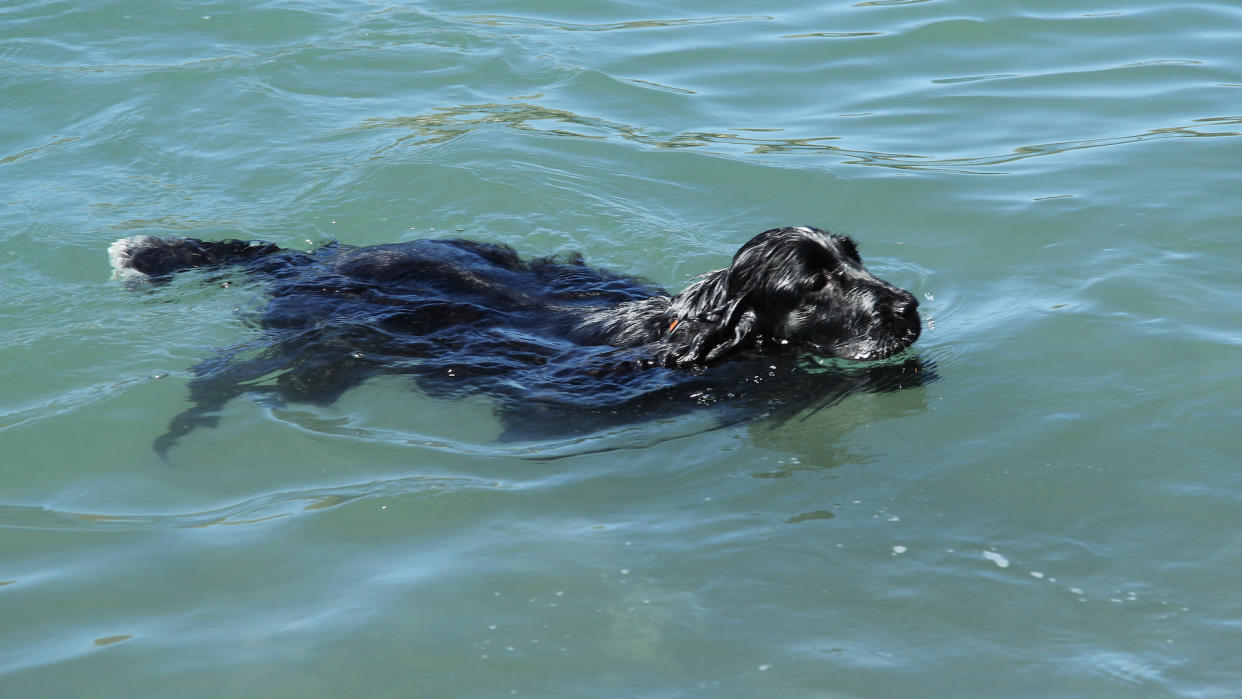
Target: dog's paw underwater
<point>561,346</point>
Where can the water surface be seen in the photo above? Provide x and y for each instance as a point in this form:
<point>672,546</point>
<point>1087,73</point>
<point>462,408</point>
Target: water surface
<point>1057,515</point>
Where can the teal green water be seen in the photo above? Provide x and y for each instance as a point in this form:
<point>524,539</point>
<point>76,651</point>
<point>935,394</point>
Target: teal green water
<point>1059,515</point>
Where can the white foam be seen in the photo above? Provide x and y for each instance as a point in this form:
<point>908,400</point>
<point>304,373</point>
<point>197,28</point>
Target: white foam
<point>999,560</point>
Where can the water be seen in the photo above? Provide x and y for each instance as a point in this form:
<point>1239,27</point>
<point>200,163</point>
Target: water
<point>1057,515</point>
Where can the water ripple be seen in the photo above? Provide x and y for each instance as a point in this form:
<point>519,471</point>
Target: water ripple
<point>67,402</point>
<point>255,510</point>
<point>506,20</point>
<point>36,150</point>
<point>619,438</point>
<point>832,35</point>
<point>446,123</point>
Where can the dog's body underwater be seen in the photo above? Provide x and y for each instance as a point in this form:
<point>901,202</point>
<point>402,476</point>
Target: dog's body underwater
<point>466,317</point>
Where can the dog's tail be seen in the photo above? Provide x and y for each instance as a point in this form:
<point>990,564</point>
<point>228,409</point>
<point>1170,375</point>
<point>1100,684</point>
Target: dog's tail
<point>150,256</point>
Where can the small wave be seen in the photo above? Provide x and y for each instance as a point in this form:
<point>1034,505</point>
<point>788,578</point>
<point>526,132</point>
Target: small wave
<point>832,35</point>
<point>1125,669</point>
<point>37,151</point>
<point>516,445</point>
<point>446,123</point>
<point>255,510</point>
<point>67,402</point>
<point>506,20</point>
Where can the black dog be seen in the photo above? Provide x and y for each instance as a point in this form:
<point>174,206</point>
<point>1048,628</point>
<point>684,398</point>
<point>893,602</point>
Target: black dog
<point>465,317</point>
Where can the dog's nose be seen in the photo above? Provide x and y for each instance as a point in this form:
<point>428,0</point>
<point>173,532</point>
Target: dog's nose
<point>903,303</point>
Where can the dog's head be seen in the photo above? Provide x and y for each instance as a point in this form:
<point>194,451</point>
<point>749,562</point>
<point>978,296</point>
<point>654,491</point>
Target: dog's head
<point>797,286</point>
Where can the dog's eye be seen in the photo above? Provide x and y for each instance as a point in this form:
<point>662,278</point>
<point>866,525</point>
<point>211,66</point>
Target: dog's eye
<point>819,281</point>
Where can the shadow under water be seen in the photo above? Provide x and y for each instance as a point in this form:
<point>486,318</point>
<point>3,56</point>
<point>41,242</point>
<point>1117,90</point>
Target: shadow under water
<point>544,403</point>
<point>774,389</point>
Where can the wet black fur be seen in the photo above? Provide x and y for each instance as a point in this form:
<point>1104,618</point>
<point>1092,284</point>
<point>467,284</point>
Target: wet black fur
<point>465,317</point>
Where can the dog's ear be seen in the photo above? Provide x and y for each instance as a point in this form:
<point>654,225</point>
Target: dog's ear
<point>734,335</point>
<point>710,335</point>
